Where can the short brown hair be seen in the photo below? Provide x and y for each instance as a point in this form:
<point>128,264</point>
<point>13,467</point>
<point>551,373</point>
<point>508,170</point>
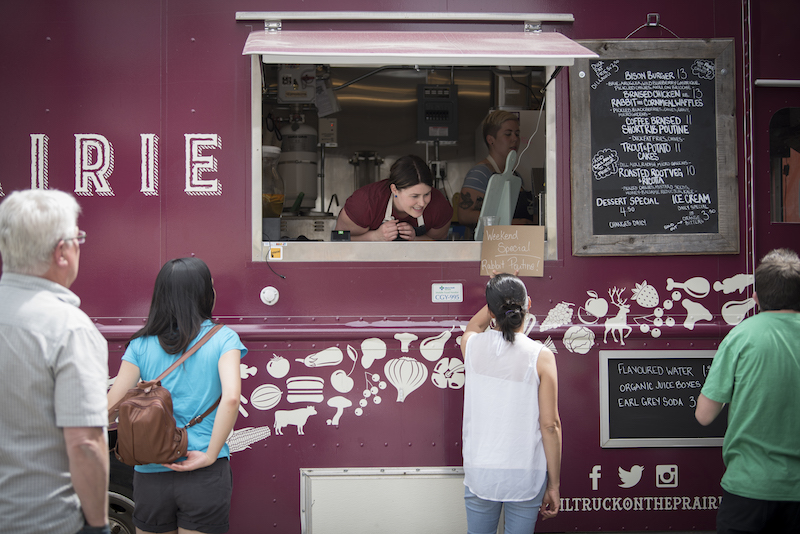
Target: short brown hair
<point>777,281</point>
<point>493,121</point>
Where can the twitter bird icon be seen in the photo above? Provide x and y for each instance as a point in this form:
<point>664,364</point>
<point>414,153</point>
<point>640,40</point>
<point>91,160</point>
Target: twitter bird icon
<point>630,478</point>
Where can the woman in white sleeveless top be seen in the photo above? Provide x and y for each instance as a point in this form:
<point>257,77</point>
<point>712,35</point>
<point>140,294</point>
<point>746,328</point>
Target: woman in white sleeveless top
<point>512,430</point>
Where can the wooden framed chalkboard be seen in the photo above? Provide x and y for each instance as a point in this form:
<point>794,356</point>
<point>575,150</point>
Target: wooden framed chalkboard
<point>648,398</point>
<point>654,148</point>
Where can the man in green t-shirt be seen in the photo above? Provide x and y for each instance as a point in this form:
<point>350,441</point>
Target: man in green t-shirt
<point>757,371</point>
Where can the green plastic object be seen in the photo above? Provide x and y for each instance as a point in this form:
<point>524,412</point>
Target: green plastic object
<point>501,196</point>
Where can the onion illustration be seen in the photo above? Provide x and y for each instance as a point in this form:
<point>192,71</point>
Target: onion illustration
<point>406,374</point>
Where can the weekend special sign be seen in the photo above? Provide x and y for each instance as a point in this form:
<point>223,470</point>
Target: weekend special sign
<point>507,249</point>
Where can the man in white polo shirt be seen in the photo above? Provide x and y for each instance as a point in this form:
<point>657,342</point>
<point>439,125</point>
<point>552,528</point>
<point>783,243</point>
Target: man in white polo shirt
<point>53,444</point>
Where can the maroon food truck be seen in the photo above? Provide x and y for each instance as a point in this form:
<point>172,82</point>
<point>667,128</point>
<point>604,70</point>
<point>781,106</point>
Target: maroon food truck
<point>661,164</point>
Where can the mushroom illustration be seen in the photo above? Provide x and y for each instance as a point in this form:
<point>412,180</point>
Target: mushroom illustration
<point>405,339</point>
<point>340,403</point>
<point>374,349</point>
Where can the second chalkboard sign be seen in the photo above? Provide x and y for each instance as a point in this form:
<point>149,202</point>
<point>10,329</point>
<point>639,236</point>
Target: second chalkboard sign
<point>648,398</point>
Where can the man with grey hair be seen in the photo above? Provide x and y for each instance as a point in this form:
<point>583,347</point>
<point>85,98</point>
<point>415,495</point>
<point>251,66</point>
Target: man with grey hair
<point>54,459</point>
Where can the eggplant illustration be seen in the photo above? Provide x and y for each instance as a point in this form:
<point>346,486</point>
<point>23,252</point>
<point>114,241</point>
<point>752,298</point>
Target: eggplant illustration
<point>327,357</point>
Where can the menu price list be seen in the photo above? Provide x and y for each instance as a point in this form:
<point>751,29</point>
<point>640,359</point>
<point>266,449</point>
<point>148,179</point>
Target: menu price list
<point>653,143</point>
<point>656,398</point>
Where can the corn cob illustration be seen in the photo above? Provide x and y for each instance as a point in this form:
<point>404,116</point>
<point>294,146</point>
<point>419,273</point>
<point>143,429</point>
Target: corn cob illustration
<point>241,439</point>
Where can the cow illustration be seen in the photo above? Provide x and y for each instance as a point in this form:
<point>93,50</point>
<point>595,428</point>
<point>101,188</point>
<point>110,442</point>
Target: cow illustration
<point>296,417</point>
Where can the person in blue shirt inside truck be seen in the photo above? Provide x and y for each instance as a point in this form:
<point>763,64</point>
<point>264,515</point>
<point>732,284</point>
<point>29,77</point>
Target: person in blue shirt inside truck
<point>501,135</point>
<point>757,371</point>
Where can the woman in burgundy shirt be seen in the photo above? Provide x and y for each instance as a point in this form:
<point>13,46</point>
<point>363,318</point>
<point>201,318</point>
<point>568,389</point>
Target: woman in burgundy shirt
<point>392,209</point>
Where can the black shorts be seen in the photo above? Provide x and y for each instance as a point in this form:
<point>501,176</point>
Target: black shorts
<point>741,515</point>
<point>193,500</point>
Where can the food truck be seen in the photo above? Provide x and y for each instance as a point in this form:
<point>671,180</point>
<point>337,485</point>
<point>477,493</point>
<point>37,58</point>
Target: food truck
<point>660,146</point>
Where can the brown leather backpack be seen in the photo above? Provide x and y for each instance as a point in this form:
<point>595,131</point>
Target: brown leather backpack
<point>146,431</point>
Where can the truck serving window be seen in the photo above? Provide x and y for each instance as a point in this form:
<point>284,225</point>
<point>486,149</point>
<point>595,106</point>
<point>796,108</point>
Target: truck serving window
<point>343,106</point>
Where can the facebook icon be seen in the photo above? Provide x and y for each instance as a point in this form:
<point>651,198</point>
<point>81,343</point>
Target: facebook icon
<point>595,476</point>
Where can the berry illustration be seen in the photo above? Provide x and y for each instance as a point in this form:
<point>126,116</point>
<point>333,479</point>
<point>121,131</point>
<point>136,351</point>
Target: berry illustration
<point>645,295</point>
<point>561,314</point>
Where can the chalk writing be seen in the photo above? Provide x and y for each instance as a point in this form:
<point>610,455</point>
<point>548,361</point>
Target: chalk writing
<point>653,150</point>
<point>656,398</point>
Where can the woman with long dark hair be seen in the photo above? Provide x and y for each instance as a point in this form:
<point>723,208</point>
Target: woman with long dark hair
<point>404,206</point>
<point>512,430</point>
<point>192,494</point>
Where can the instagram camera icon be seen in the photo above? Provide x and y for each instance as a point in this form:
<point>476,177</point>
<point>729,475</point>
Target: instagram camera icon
<point>667,476</point>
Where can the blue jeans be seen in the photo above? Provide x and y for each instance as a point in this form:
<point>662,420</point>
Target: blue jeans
<point>483,516</point>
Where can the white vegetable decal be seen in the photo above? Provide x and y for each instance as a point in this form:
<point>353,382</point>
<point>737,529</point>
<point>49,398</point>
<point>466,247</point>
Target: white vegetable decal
<point>266,397</point>
<point>278,366</point>
<point>245,371</point>
<point>432,348</point>
<point>646,295</point>
<point>329,356</point>
<point>405,339</point>
<point>448,373</point>
<point>648,308</point>
<point>593,309</point>
<point>560,315</point>
<point>406,374</point>
<point>341,382</point>
<point>373,349</point>
<point>241,439</point>
<point>578,339</point>
<point>374,386</point>
<point>340,403</point>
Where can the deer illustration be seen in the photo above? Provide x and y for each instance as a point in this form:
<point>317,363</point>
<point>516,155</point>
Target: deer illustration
<point>618,323</point>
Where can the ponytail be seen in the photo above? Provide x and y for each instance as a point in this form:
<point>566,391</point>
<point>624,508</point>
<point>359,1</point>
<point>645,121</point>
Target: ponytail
<point>507,299</point>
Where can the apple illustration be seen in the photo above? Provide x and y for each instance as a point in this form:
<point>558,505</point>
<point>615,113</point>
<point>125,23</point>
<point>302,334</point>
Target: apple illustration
<point>278,366</point>
<point>341,382</point>
<point>595,306</point>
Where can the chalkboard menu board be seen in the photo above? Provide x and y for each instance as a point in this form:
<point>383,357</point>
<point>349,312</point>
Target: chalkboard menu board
<point>648,399</point>
<point>653,148</point>
<point>653,135</point>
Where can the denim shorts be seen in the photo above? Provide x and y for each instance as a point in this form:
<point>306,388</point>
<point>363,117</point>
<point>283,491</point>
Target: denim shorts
<point>193,500</point>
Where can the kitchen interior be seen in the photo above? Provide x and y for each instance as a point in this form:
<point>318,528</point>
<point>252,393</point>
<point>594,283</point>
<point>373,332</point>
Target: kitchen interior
<point>339,128</point>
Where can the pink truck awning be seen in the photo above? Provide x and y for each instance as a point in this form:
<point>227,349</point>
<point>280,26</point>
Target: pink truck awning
<point>377,48</point>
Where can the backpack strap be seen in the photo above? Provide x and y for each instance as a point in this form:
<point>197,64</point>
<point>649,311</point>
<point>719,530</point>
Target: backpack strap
<point>112,411</point>
<point>199,418</point>
<point>216,328</point>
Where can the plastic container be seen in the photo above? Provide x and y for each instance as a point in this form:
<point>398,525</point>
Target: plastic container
<point>272,189</point>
